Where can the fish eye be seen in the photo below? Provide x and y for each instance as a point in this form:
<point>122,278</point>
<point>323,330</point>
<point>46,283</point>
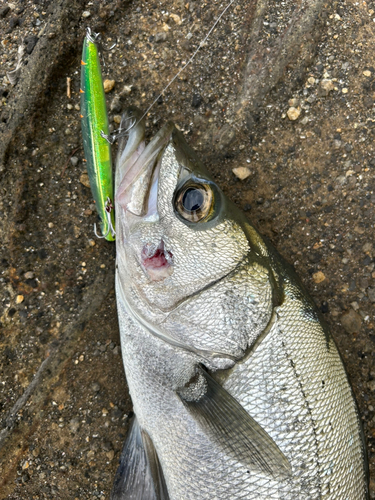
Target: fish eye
<point>194,202</point>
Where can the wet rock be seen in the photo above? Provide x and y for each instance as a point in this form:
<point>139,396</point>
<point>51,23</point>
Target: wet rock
<point>42,254</point>
<point>4,11</point>
<point>197,101</point>
<point>315,257</point>
<point>107,446</point>
<point>13,22</point>
<point>351,321</point>
<point>30,42</point>
<point>324,307</point>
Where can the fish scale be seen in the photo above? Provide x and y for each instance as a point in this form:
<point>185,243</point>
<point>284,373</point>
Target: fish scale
<point>238,388</point>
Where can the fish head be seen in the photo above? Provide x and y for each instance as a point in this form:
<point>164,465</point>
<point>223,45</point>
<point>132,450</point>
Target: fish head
<point>190,267</point>
<point>176,231</point>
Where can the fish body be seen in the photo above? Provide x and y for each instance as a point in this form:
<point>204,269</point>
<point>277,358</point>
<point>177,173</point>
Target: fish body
<point>94,121</point>
<point>239,391</point>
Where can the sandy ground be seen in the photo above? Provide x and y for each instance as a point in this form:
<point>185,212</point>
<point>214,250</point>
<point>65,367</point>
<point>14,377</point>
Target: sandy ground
<point>307,145</point>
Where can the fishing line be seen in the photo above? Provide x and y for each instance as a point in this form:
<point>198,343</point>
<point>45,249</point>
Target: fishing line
<point>118,133</point>
<point>201,44</point>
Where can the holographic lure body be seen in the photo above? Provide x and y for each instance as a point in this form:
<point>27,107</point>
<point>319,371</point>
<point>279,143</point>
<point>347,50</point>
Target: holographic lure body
<point>94,122</point>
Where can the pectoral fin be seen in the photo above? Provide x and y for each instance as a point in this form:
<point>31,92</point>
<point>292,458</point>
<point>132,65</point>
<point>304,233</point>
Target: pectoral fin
<point>233,429</point>
<point>139,475</point>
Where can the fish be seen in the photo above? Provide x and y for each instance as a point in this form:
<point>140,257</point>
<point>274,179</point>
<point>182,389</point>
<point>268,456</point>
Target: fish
<point>239,391</point>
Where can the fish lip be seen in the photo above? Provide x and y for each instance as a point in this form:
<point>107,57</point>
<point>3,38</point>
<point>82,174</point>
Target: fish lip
<point>136,164</point>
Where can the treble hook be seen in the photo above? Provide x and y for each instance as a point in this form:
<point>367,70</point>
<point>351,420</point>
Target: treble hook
<point>97,38</point>
<point>108,209</point>
<point>120,132</point>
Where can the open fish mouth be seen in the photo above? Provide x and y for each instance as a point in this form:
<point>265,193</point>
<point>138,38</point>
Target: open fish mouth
<point>137,179</point>
<point>138,165</point>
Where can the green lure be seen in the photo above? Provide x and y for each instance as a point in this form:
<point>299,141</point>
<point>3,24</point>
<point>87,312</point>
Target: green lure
<point>94,124</point>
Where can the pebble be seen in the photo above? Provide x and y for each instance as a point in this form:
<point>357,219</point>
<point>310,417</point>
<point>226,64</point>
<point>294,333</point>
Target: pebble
<point>344,90</point>
<point>368,102</point>
<point>197,101</point>
<point>30,42</point>
<point>84,179</point>
<point>92,243</point>
<point>29,275</point>
<point>4,11</point>
<point>86,14</point>
<point>295,102</point>
<point>326,86</point>
<point>19,299</point>
<point>95,386</point>
<point>351,321</point>
<point>176,18</point>
<point>74,161</point>
<point>108,85</point>
<point>117,119</point>
<point>367,247</point>
<point>74,425</point>
<point>241,173</point>
<point>160,37</point>
<point>371,294</point>
<point>127,89</point>
<point>69,106</point>
<point>318,277</point>
<point>116,104</point>
<point>367,73</point>
<point>293,113</point>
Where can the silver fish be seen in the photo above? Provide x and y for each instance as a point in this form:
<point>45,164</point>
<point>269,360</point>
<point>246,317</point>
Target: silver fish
<point>238,388</point>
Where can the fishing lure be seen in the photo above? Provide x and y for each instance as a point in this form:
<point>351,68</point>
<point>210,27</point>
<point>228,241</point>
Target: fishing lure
<point>94,128</point>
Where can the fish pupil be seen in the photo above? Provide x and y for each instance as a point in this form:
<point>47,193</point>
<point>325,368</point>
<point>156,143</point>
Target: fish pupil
<point>192,199</point>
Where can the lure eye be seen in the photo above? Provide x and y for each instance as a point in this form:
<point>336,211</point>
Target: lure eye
<point>194,202</point>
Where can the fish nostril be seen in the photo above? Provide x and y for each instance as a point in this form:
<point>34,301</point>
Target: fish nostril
<point>156,257</point>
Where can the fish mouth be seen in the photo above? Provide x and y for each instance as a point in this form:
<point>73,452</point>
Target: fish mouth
<point>138,165</point>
